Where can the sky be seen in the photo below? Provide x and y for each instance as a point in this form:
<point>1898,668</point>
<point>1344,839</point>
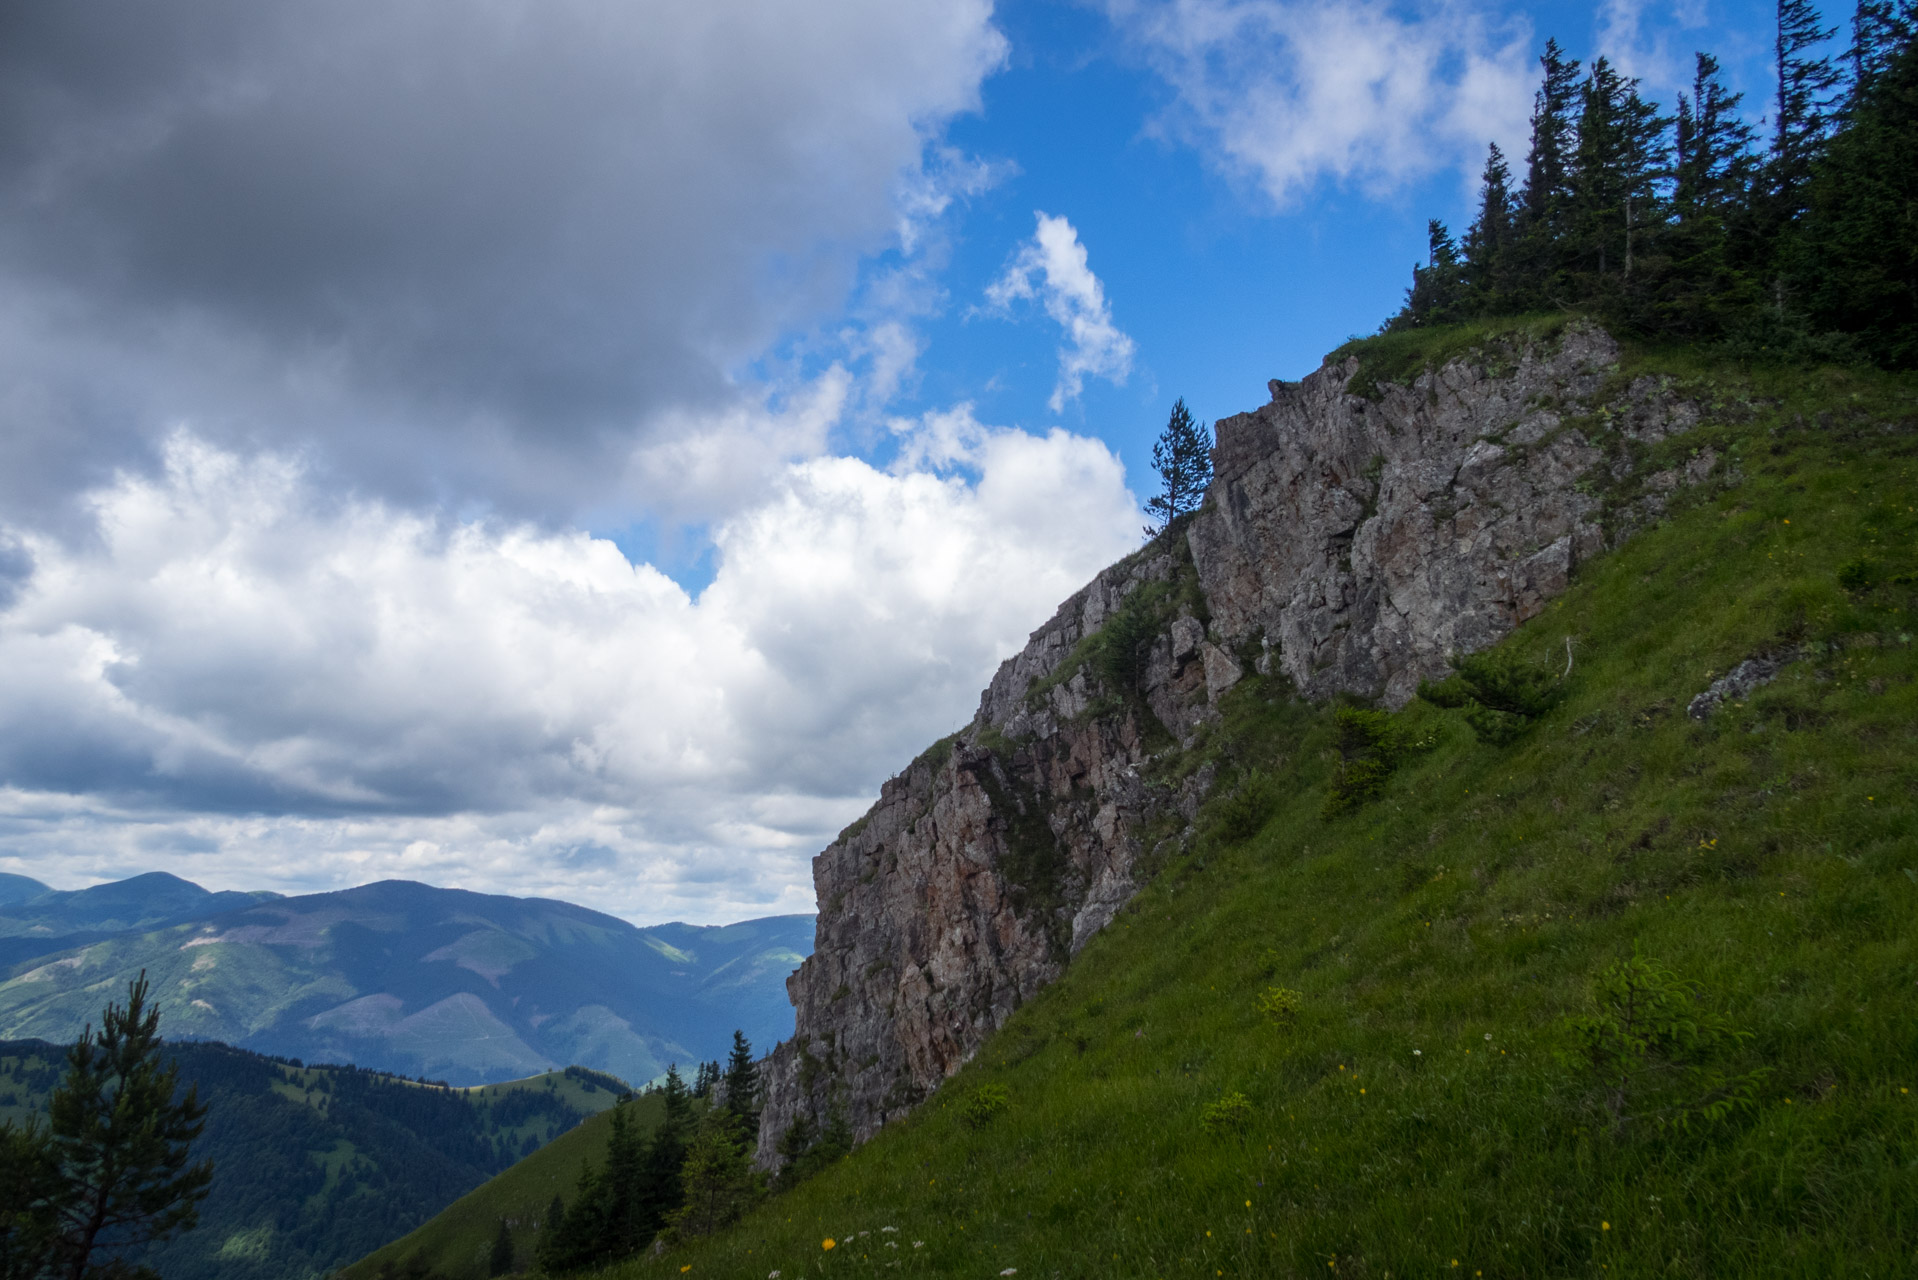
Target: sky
<point>582,449</point>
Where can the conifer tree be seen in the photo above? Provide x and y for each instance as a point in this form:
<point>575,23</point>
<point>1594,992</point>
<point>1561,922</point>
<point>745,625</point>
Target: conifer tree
<point>111,1172</point>
<point>1854,258</point>
<point>716,1180</point>
<point>1548,171</point>
<point>742,1086</point>
<point>1489,239</point>
<point>1879,29</point>
<point>1799,117</point>
<point>666,1153</point>
<point>500,1263</point>
<point>1183,458</point>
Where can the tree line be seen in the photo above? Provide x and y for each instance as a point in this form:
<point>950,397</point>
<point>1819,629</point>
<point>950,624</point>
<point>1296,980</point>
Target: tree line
<point>1683,226</point>
<point>691,1176</point>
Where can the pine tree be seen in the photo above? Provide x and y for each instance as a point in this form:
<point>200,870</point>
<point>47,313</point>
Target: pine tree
<point>716,1180</point>
<point>1800,114</point>
<point>742,1086</point>
<point>1548,171</point>
<point>1489,240</point>
<point>1183,458</point>
<point>666,1153</point>
<point>1854,258</point>
<point>1879,29</point>
<point>120,1140</point>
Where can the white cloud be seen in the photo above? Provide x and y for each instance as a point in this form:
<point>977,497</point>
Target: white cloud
<point>1295,92</point>
<point>1052,268</point>
<point>467,253</point>
<point>245,681</point>
<point>1639,38</point>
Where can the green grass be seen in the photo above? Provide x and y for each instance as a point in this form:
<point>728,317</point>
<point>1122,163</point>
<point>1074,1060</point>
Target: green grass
<point>457,1242</point>
<point>1423,1112</point>
<point>1401,356</point>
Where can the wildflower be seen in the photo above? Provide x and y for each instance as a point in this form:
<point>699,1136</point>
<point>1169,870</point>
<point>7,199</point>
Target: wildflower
<point>1418,1053</point>
<point>918,1244</point>
<point>772,1275</point>
<point>889,1229</point>
<point>1488,1035</point>
<point>1604,1226</point>
<point>828,1243</point>
<point>1010,1271</point>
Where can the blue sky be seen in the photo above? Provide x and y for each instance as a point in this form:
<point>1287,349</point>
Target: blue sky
<point>578,448</point>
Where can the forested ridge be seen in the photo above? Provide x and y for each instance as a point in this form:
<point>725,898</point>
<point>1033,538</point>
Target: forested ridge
<point>1687,226</point>
<point>314,1165</point>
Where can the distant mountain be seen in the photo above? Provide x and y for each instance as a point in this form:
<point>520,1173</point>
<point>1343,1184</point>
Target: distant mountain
<point>315,1166</point>
<point>19,888</point>
<point>404,977</point>
<point>142,902</point>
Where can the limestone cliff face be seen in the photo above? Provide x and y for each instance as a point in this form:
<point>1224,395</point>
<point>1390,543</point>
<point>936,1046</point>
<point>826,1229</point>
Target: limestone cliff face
<point>1348,543</point>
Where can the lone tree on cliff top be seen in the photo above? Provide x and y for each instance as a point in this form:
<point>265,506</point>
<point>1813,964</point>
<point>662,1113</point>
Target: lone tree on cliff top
<point>1182,455</point>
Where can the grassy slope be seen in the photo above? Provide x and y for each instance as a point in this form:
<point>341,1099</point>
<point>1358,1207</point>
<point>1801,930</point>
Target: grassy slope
<point>1421,1116</point>
<point>457,1242</point>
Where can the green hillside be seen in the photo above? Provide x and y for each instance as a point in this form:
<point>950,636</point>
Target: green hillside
<point>456,1244</point>
<point>1344,1039</point>
<point>314,1165</point>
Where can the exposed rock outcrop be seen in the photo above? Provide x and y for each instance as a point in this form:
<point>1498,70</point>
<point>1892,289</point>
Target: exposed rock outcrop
<point>1348,542</point>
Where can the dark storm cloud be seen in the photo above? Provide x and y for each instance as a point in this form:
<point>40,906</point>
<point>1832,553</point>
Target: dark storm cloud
<point>471,249</point>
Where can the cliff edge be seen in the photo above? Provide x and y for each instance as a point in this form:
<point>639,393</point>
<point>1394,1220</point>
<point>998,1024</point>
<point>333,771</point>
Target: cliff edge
<point>1357,532</point>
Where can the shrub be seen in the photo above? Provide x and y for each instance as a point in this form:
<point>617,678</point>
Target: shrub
<point>1370,748</point>
<point>1500,695</point>
<point>1280,1004</point>
<point>978,1107</point>
<point>1230,1115</point>
<point>1649,1048</point>
<point>1244,813</point>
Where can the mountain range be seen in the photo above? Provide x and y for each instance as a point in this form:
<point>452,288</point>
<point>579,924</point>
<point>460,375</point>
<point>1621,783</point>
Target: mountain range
<point>401,977</point>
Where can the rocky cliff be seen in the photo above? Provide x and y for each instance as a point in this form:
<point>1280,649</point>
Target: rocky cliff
<point>1349,543</point>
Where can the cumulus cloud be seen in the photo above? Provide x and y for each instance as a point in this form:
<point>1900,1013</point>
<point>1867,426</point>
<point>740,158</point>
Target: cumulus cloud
<point>1295,92</point>
<point>254,682</point>
<point>1052,268</point>
<point>478,254</point>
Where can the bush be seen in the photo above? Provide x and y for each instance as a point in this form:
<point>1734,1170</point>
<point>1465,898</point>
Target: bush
<point>1244,813</point>
<point>1370,748</point>
<point>1650,1050</point>
<point>978,1108</point>
<point>1230,1115</point>
<point>1280,1004</point>
<point>1500,695</point>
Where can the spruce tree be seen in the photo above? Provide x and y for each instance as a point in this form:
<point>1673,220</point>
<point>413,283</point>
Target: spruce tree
<point>716,1180</point>
<point>1183,458</point>
<point>1548,170</point>
<point>666,1153</point>
<point>742,1086</point>
<point>1800,111</point>
<point>1854,258</point>
<point>1488,242</point>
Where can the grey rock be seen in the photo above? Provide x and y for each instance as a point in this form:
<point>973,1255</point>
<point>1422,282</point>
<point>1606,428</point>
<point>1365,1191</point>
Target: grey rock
<point>1347,544</point>
<point>1740,683</point>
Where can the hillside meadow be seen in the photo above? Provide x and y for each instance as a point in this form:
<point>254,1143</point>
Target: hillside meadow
<point>1630,993</point>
